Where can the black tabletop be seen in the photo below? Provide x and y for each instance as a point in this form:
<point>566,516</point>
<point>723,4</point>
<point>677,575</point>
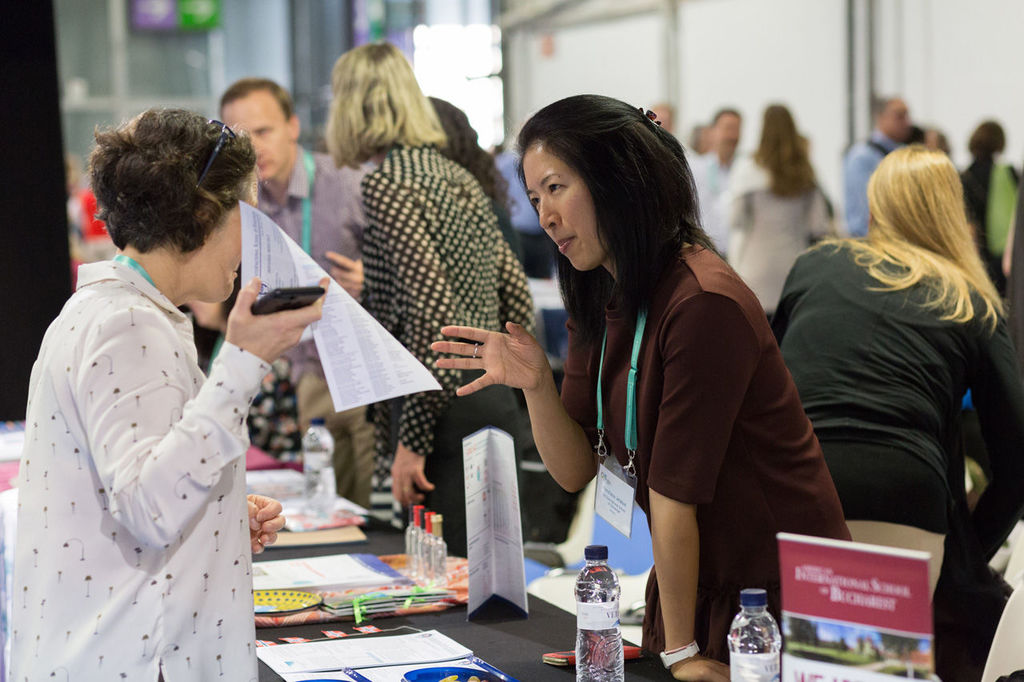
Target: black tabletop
<point>514,646</point>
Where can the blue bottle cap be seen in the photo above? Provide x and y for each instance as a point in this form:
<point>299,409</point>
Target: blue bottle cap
<point>316,421</point>
<point>596,553</point>
<point>754,596</point>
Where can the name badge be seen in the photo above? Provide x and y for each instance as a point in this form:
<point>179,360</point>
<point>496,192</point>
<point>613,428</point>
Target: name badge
<point>616,493</point>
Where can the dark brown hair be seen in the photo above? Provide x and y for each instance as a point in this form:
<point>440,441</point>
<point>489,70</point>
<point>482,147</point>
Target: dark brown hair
<point>783,153</point>
<point>246,86</point>
<point>644,198</point>
<point>464,150</point>
<point>145,173</point>
<point>987,140</point>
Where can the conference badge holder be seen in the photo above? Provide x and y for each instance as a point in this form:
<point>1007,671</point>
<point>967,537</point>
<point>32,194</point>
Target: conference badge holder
<point>616,488</point>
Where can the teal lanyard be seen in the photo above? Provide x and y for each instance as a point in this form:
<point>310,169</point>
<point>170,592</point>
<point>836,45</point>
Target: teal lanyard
<point>307,203</point>
<point>134,265</point>
<point>631,438</point>
<point>217,345</point>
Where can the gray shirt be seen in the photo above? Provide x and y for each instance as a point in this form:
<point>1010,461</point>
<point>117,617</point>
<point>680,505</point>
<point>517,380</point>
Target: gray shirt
<point>338,224</point>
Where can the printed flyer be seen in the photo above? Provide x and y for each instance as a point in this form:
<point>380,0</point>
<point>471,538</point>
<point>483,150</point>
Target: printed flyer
<point>853,612</point>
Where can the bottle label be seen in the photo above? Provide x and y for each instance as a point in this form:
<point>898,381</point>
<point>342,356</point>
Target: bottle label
<point>597,616</point>
<point>753,667</point>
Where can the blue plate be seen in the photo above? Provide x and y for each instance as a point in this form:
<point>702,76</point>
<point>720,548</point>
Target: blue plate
<point>438,674</point>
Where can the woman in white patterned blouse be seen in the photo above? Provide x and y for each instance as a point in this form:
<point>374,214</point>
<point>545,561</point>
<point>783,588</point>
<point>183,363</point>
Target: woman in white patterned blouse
<point>134,533</point>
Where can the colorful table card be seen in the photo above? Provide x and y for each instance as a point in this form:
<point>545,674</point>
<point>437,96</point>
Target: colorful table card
<point>853,612</point>
<point>494,532</point>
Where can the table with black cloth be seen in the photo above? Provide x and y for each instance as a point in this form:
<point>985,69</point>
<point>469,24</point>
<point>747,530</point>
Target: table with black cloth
<point>513,645</point>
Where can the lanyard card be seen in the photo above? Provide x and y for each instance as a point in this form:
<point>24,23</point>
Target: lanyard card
<point>616,492</point>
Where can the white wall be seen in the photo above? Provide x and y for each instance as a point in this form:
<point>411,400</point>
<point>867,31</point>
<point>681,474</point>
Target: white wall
<point>739,53</point>
<point>955,62</point>
<point>751,53</point>
<point>622,59</point>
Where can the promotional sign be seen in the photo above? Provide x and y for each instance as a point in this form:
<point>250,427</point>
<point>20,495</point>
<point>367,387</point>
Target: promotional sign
<point>494,532</point>
<point>853,612</point>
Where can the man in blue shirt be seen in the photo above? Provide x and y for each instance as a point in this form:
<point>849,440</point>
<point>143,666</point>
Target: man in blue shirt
<point>892,127</point>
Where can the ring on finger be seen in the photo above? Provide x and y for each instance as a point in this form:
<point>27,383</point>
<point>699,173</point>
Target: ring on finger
<point>476,347</point>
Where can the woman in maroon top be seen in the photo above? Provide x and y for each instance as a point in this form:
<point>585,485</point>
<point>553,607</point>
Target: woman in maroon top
<point>724,457</point>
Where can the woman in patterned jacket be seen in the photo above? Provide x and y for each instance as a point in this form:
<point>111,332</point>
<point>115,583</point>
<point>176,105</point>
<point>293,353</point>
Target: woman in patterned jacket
<point>433,256</point>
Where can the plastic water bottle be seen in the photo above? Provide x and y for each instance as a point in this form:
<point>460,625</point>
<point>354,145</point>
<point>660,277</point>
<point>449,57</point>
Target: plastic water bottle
<point>754,640</point>
<point>415,537</point>
<point>410,538</point>
<point>426,550</point>
<point>318,469</point>
<point>439,559</point>
<point>598,638</point>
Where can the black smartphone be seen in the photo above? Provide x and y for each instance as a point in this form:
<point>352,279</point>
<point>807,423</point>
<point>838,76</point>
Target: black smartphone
<point>277,300</point>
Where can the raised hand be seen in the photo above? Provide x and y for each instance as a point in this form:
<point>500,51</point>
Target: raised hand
<point>514,359</point>
<point>267,336</point>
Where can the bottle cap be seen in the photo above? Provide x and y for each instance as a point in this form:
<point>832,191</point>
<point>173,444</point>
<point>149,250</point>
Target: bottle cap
<point>316,421</point>
<point>596,553</point>
<point>428,524</point>
<point>417,514</point>
<point>753,596</point>
<point>438,520</point>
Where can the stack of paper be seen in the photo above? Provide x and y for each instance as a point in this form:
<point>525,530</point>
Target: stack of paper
<point>325,573</point>
<point>371,659</point>
<point>288,486</point>
<point>384,600</point>
<point>297,520</point>
<point>362,652</point>
<point>281,484</point>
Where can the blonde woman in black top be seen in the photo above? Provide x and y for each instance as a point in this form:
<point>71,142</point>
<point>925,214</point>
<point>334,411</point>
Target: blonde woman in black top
<point>883,336</point>
<point>433,256</point>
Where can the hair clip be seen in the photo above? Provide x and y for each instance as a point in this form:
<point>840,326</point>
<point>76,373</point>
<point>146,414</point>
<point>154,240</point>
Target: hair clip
<point>649,114</point>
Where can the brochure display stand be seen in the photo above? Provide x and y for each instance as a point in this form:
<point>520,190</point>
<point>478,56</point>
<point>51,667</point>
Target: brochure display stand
<point>497,579</point>
<point>851,605</point>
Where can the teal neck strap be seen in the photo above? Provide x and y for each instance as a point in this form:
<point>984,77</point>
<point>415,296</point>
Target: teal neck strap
<point>134,265</point>
<point>638,336</point>
<point>217,345</point>
<point>307,203</point>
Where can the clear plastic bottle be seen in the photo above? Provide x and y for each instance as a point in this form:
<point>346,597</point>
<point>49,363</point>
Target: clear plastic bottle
<point>598,638</point>
<point>427,550</point>
<point>755,642</point>
<point>439,558</point>
<point>318,469</point>
<point>417,536</point>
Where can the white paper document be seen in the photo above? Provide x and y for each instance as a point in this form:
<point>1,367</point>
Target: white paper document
<point>333,572</point>
<point>362,652</point>
<point>362,362</point>
<point>493,527</point>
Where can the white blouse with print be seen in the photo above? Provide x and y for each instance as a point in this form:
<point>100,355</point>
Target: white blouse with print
<point>133,547</point>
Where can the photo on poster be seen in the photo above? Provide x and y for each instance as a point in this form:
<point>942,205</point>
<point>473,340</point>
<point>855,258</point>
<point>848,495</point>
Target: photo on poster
<point>857,646</point>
